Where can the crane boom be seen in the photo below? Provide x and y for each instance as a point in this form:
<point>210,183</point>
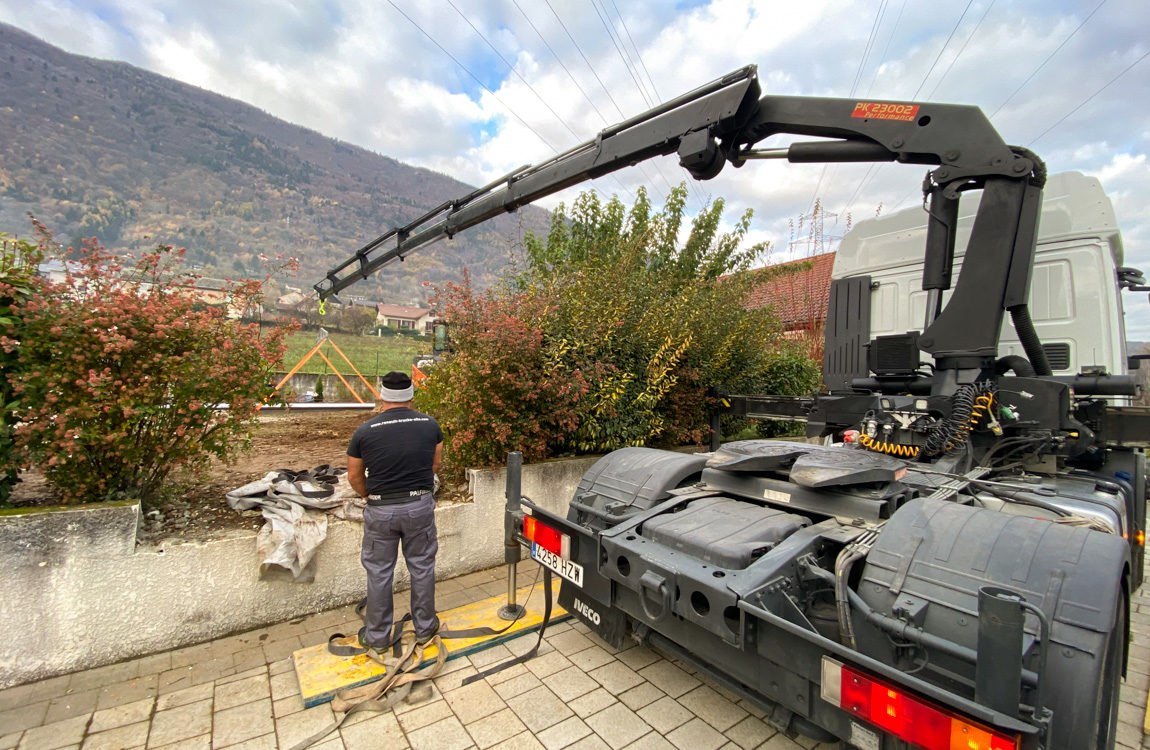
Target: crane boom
<point>723,120</point>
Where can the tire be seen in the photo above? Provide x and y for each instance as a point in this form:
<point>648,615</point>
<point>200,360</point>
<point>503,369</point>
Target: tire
<point>1106,702</point>
<point>1083,692</point>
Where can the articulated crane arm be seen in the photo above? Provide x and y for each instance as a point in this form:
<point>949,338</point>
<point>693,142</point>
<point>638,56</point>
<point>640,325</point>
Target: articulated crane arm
<point>723,120</point>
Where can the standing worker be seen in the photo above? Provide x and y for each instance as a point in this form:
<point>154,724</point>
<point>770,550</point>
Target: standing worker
<point>391,462</point>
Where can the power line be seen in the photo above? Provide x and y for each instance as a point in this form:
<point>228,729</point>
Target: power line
<point>626,62</point>
<point>635,47</point>
<point>944,46</point>
<point>961,50</point>
<point>560,61</point>
<point>630,68</point>
<point>1042,64</point>
<point>595,73</point>
<point>873,169</point>
<point>869,43</point>
<point>512,69</point>
<point>475,77</point>
<point>1087,99</point>
<point>886,47</point>
<point>858,75</point>
<point>525,83</point>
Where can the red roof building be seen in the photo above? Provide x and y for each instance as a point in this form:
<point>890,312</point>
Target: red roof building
<point>799,299</point>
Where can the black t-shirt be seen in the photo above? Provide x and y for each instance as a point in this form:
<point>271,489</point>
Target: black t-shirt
<point>398,449</point>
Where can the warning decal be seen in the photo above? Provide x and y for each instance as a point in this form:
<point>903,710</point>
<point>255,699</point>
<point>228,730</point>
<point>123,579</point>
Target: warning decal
<point>885,111</point>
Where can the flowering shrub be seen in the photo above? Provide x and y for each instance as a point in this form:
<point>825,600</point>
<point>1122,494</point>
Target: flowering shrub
<point>506,386</point>
<point>18,262</point>
<point>608,336</point>
<point>119,370</point>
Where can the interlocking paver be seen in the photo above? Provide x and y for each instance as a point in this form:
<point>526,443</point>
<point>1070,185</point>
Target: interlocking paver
<point>570,683</point>
<point>378,731</point>
<point>713,708</point>
<point>56,735</point>
<point>750,733</point>
<point>424,716</point>
<point>638,657</point>
<point>234,725</point>
<point>616,677</point>
<point>244,691</point>
<point>448,734</point>
<point>67,706</point>
<point>651,741</point>
<point>665,714</point>
<point>474,701</point>
<point>24,717</point>
<point>591,703</point>
<point>566,732</point>
<point>517,685</point>
<point>128,713</point>
<point>185,696</point>
<point>696,734</point>
<point>181,723</point>
<point>133,735</point>
<point>539,708</point>
<point>496,728</point>
<point>129,691</point>
<point>618,725</point>
<point>641,695</point>
<point>296,727</point>
<point>669,678</point>
<point>591,658</point>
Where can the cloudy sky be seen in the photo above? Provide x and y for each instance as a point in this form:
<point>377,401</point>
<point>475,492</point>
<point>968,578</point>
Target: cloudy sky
<point>474,89</point>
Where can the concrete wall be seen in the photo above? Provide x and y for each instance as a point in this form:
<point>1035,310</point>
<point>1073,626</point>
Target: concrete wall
<point>78,593</point>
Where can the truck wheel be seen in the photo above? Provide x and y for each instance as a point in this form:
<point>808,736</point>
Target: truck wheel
<point>1110,686</point>
<point>1084,692</point>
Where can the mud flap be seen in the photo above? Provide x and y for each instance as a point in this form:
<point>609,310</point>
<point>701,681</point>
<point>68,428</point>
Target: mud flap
<point>608,623</point>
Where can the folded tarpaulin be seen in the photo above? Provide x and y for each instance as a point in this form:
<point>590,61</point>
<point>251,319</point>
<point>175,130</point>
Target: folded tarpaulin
<point>293,504</point>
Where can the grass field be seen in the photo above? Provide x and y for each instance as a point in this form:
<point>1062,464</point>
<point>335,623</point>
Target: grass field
<point>371,355</point>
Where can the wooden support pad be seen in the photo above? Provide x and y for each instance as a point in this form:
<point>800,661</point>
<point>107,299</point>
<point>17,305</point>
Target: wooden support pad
<point>321,674</point>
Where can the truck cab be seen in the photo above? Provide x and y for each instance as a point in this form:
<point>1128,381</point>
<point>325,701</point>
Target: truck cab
<point>1075,295</point>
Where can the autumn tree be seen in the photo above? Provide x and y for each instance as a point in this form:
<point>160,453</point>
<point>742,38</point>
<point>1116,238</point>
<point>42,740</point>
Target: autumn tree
<point>609,335</point>
<point>121,372</point>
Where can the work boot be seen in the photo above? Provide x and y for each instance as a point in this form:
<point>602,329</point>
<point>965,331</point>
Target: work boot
<point>423,638</point>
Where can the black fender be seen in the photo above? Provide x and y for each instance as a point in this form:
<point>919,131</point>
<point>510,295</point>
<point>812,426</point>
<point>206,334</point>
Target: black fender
<point>936,555</point>
<point>616,487</point>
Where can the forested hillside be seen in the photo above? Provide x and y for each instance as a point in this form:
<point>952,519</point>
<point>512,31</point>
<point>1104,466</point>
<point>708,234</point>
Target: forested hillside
<point>98,147</point>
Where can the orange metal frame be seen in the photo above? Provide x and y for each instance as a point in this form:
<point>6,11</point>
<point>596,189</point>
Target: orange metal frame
<point>316,350</point>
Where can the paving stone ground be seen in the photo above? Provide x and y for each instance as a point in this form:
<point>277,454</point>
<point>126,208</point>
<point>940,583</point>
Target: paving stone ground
<point>240,692</point>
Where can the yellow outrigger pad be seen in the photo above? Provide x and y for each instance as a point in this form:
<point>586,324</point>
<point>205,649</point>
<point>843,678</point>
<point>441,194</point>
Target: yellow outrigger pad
<point>321,674</point>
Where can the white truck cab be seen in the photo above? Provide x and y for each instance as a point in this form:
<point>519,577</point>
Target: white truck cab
<point>1075,299</point>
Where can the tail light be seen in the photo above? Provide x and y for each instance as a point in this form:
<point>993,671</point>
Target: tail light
<point>546,537</point>
<point>904,715</point>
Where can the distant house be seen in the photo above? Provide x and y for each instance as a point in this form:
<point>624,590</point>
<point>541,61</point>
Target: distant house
<point>290,302</point>
<point>405,318</point>
<point>799,299</point>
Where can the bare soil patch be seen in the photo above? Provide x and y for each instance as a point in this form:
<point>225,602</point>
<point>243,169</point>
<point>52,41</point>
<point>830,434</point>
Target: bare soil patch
<point>196,509</point>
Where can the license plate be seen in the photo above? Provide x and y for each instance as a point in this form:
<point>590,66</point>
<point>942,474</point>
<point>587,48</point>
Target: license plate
<point>572,571</point>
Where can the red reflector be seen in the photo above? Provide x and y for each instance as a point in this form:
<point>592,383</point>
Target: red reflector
<point>908,717</point>
<point>543,535</point>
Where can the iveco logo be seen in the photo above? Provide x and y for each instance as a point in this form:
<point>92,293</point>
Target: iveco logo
<point>586,611</point>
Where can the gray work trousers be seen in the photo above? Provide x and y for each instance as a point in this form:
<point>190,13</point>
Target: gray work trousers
<point>384,526</point>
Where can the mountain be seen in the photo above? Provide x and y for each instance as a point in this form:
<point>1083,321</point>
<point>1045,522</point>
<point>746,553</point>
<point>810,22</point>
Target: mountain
<point>95,147</point>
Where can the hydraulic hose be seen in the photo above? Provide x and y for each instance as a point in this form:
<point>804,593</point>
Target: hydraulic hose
<point>1024,327</point>
<point>1020,366</point>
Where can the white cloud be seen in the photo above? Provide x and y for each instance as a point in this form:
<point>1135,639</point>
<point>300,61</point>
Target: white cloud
<point>362,71</point>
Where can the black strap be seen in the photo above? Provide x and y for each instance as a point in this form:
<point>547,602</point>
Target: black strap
<point>338,649</point>
<point>534,649</point>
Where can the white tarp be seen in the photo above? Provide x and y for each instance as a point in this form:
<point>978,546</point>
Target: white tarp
<point>294,505</point>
